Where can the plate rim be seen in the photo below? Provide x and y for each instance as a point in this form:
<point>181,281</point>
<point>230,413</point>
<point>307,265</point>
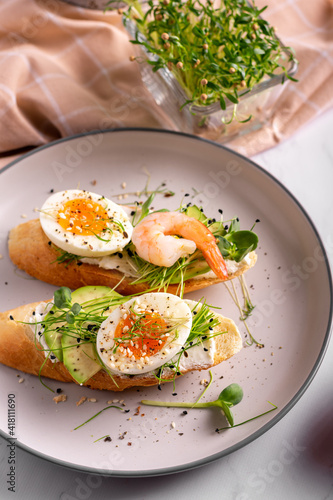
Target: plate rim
<point>281,413</point>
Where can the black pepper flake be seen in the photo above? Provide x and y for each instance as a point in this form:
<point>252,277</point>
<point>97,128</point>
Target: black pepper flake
<point>133,212</point>
<point>78,340</point>
<point>220,211</point>
<point>217,430</point>
<point>184,412</point>
<point>195,312</point>
<point>49,243</point>
<point>125,234</point>
<point>205,349</point>
<point>59,391</point>
<point>11,317</point>
<point>188,205</point>
<point>52,356</point>
<point>257,220</point>
<point>226,227</point>
<point>126,411</point>
<point>107,439</point>
<point>120,255</point>
<point>204,337</point>
<point>51,312</point>
<point>178,373</point>
<point>51,190</point>
<point>6,282</point>
<point>79,263</point>
<point>33,313</point>
<point>174,394</point>
<point>159,387</point>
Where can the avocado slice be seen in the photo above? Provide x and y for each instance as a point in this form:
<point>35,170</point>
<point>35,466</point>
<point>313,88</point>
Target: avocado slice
<point>78,356</point>
<point>52,335</point>
<point>195,212</point>
<point>91,293</point>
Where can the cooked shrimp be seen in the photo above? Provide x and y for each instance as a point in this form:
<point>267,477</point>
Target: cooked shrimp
<point>154,242</point>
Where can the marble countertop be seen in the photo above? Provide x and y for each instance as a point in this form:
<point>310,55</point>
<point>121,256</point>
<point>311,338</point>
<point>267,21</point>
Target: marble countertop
<point>304,164</point>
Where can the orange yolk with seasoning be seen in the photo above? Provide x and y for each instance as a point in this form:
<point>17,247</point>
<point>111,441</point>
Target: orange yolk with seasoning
<point>144,335</point>
<point>82,216</point>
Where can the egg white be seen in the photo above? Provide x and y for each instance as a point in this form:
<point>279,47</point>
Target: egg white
<point>170,307</point>
<point>85,246</point>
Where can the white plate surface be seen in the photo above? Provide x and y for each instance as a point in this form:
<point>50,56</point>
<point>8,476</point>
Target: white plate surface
<point>290,285</point>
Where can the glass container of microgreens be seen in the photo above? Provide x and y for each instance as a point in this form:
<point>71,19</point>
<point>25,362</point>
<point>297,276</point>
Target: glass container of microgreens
<point>217,71</point>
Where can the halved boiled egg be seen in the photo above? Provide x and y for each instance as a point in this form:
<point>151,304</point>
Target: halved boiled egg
<point>85,224</point>
<point>144,333</point>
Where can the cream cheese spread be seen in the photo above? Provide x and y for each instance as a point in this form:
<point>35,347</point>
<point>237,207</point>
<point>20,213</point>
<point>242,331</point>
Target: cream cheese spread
<point>37,327</point>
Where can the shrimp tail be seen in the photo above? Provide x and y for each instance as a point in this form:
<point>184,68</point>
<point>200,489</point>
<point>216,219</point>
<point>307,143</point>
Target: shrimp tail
<point>216,262</point>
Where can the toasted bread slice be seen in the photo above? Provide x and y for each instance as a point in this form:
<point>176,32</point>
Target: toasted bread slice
<point>29,250</point>
<point>19,350</point>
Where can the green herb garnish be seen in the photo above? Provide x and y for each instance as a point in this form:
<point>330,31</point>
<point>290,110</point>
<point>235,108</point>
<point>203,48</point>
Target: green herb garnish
<point>204,322</point>
<point>64,257</point>
<point>228,398</point>
<point>96,415</point>
<point>217,53</point>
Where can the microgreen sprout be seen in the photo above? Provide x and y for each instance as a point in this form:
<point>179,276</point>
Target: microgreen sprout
<point>246,310</point>
<point>62,300</point>
<point>217,52</point>
<point>96,415</point>
<point>64,257</point>
<point>231,396</point>
<point>204,327</point>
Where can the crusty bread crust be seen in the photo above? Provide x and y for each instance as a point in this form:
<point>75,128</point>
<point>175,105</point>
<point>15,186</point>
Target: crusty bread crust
<point>19,350</point>
<point>30,251</point>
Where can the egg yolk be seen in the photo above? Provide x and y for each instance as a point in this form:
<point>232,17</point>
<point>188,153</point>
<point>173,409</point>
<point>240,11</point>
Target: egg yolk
<point>82,216</point>
<point>141,335</point>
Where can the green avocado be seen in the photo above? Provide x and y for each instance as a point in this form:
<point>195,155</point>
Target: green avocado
<point>78,356</point>
<point>52,335</point>
<point>196,213</point>
<point>85,294</point>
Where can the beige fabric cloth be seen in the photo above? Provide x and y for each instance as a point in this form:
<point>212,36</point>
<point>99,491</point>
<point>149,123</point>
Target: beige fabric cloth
<point>66,70</point>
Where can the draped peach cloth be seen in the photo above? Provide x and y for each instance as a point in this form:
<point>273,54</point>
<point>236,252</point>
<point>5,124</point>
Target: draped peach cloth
<point>65,70</point>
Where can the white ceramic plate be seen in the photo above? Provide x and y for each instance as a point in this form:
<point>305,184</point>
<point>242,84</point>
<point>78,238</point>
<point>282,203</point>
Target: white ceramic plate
<point>290,285</point>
